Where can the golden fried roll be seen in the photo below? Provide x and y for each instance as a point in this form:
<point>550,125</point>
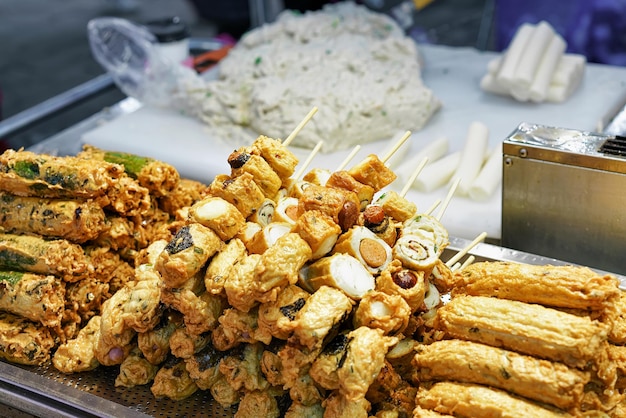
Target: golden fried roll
<point>389,313</point>
<point>278,156</point>
<point>219,215</point>
<point>242,368</point>
<point>523,327</point>
<point>186,193</point>
<point>37,255</point>
<point>416,252</point>
<point>75,220</point>
<point>248,232</point>
<point>221,265</point>
<point>241,191</point>
<point>264,215</point>
<point>319,231</point>
<point>375,219</point>
<point>200,309</point>
<point>158,177</point>
<point>187,253</point>
<point>135,370</point>
<point>343,180</point>
<point>279,266</point>
<point>365,246</point>
<point>85,297</point>
<point>184,344</point>
<point>441,276</point>
<point>340,271</point>
<point>341,205</point>
<point>34,296</point>
<point>238,327</point>
<point>155,343</point>
<point>324,368</point>
<point>242,282</point>
<point>295,188</point>
<point>428,227</point>
<point>373,172</point>
<point>276,316</point>
<point>26,173</point>
<point>260,403</point>
<point>78,354</point>
<point>559,286</point>
<point>23,341</point>
<point>203,366</point>
<point>267,237</point>
<point>470,400</point>
<point>396,206</point>
<point>615,314</point>
<point>317,176</point>
<point>128,198</point>
<point>407,283</point>
<point>173,381</point>
<point>323,311</point>
<point>338,406</point>
<point>286,210</point>
<point>223,393</point>
<point>464,361</point>
<point>364,359</point>
<point>264,176</point>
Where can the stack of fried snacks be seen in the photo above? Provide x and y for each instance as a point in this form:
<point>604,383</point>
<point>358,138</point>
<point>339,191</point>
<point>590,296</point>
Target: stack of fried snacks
<point>71,228</point>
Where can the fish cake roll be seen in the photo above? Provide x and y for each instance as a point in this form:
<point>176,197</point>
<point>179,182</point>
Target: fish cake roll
<point>560,286</point>
<point>343,180</point>
<point>187,253</point>
<point>286,210</point>
<point>417,252</point>
<point>36,297</point>
<point>429,228</point>
<point>264,215</point>
<point>78,354</point>
<point>240,190</point>
<point>364,245</point>
<point>75,220</point>
<point>221,265</point>
<point>389,313</point>
<point>319,231</point>
<point>172,381</point>
<point>34,254</point>
<point>464,361</point>
<point>278,156</point>
<point>396,206</point>
<point>341,205</point>
<point>317,176</point>
<point>23,341</point>
<point>219,215</point>
<point>340,271</point>
<point>470,400</point>
<point>267,237</point>
<point>262,173</point>
<point>373,172</point>
<point>523,327</point>
<point>25,173</point>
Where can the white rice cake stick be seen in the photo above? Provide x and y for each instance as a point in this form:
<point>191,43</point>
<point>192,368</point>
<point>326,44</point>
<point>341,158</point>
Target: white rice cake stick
<point>535,49</point>
<point>433,151</point>
<point>438,173</point>
<point>514,54</point>
<point>490,176</point>
<point>545,71</point>
<point>472,156</point>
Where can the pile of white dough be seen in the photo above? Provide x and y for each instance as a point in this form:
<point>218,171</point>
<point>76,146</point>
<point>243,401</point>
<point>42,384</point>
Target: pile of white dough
<point>355,65</point>
<point>535,67</point>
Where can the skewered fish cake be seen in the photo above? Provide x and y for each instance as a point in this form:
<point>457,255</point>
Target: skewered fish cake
<point>286,210</point>
<point>340,271</point>
<point>241,191</point>
<point>319,231</point>
<point>77,355</point>
<point>267,237</point>
<point>262,173</point>
<point>173,381</point>
<point>341,205</point>
<point>416,252</point>
<point>75,220</point>
<point>264,215</point>
<point>429,228</point>
<point>373,172</point>
<point>23,341</point>
<point>376,220</point>
<point>317,176</point>
<point>219,215</point>
<point>365,246</point>
<point>525,328</point>
<point>396,206</point>
<point>543,381</point>
<point>221,265</point>
<point>560,286</point>
<point>409,284</point>
<point>343,180</point>
<point>135,370</point>
<point>379,310</point>
<point>282,161</point>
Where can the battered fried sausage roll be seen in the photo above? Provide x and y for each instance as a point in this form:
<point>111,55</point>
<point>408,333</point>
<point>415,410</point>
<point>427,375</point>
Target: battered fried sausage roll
<point>242,368</point>
<point>407,283</point>
<point>75,220</point>
<point>340,271</point>
<point>238,327</point>
<point>276,316</point>
<point>466,399</point>
<point>184,344</point>
<point>341,205</point>
<point>25,173</point>
<point>34,296</point>
<point>173,381</point>
<point>376,220</point>
<point>187,253</point>
<point>241,191</point>
<point>559,286</point>
<point>278,156</point>
<point>396,206</point>
<point>286,210</point>
<point>365,246</point>
<point>323,311</point>
<point>78,354</point>
<point>203,367</point>
<point>463,361</point>
<point>526,328</point>
<point>23,341</point>
<point>135,370</point>
<point>185,194</point>
<point>221,265</point>
<point>373,172</point>
<point>241,283</point>
<point>343,180</point>
<point>264,176</point>
<point>36,255</point>
<point>264,215</point>
<point>219,215</point>
<point>319,231</point>
<point>390,313</point>
<point>158,177</point>
<point>267,237</point>
<point>155,343</point>
<point>128,198</point>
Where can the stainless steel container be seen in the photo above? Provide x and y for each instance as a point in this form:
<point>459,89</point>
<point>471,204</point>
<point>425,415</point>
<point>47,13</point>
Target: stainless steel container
<point>564,195</point>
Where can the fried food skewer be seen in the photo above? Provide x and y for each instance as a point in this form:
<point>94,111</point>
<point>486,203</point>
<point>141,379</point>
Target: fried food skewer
<point>446,201</point>
<point>306,162</point>
<point>395,148</point>
<point>296,131</point>
<point>481,237</point>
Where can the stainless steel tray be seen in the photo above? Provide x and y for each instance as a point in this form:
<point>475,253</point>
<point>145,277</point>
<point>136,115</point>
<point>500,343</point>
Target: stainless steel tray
<point>46,392</point>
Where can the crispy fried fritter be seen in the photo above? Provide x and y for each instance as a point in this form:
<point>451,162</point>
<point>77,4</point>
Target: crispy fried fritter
<point>78,354</point>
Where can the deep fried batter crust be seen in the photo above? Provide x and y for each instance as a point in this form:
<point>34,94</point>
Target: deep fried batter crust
<point>135,370</point>
<point>23,341</point>
<point>173,381</point>
<point>78,355</point>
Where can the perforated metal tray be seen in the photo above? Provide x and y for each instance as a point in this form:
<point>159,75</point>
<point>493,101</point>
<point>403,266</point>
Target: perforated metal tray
<point>45,392</point>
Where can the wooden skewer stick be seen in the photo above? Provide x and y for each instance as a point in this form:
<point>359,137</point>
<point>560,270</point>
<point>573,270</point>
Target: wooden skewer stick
<point>433,207</point>
<point>448,198</point>
<point>348,158</point>
<point>306,163</point>
<point>395,148</point>
<point>465,250</point>
<point>469,260</point>
<point>413,176</point>
<point>296,131</point>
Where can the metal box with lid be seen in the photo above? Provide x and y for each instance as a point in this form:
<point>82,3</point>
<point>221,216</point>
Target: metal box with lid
<point>564,195</point>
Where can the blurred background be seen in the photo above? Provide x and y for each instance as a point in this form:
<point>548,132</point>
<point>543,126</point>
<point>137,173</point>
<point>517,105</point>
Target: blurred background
<point>44,49</point>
